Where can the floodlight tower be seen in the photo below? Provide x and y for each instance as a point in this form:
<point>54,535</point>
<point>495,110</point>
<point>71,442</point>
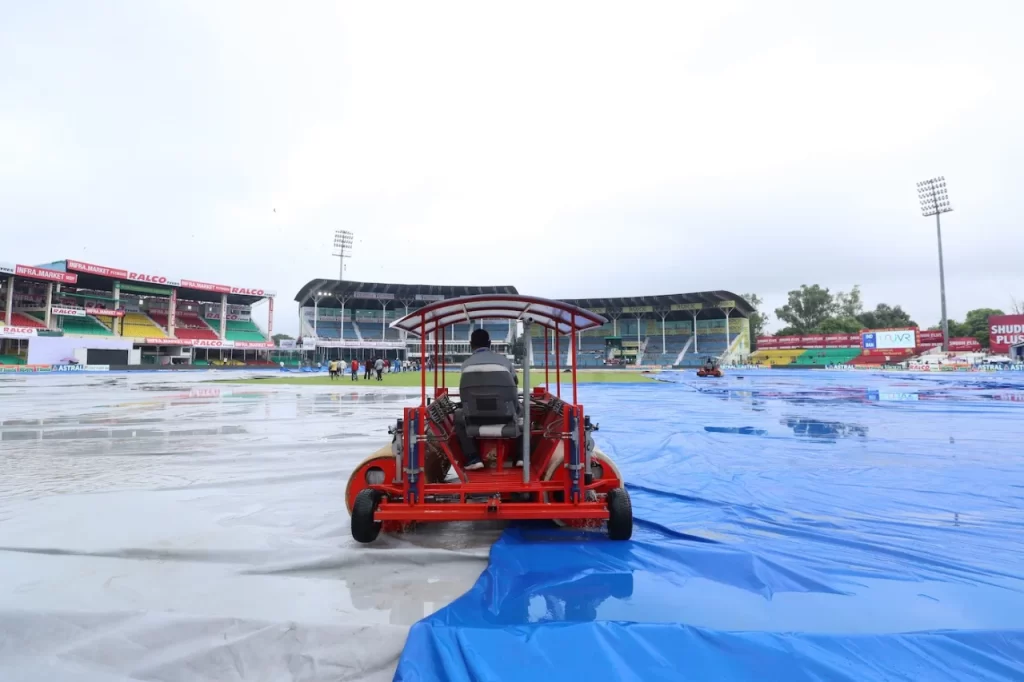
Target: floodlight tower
<point>343,246</point>
<point>935,202</point>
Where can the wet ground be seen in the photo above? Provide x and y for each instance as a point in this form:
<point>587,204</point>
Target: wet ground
<point>156,527</point>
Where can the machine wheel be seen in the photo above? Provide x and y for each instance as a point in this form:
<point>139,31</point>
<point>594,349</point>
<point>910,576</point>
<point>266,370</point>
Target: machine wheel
<point>364,528</point>
<point>620,515</point>
<point>361,478</point>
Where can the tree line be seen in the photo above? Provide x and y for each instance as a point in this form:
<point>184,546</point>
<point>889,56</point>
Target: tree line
<point>816,310</point>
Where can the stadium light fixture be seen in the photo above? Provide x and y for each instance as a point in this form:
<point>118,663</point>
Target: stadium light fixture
<point>934,202</point>
<point>343,240</point>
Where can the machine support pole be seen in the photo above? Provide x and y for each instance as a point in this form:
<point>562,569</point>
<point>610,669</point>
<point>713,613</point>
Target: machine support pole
<point>444,357</point>
<point>547,379</point>
<point>526,408</point>
<point>574,363</point>
<point>558,364</point>
<point>423,365</point>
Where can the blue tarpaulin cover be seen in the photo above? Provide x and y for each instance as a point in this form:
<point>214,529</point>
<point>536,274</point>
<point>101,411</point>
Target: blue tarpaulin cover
<point>789,526</point>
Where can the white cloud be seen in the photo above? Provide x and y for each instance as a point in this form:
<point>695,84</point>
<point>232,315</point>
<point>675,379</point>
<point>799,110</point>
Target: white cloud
<point>601,148</point>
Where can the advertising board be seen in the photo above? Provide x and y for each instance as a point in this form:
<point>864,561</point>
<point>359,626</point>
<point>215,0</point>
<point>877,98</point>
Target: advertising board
<point>964,344</point>
<point>372,295</point>
<point>889,339</point>
<point>65,311</point>
<point>208,343</point>
<point>359,344</point>
<point>12,332</point>
<point>43,273</point>
<point>1005,331</point>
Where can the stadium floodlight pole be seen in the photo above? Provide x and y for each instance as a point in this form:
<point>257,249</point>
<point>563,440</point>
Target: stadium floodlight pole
<point>934,202</point>
<point>343,244</point>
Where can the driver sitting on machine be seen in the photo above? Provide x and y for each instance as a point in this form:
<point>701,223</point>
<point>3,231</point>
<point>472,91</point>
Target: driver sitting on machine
<point>489,393</point>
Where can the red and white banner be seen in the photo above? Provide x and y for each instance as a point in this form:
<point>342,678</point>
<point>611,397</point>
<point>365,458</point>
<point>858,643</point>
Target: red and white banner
<point>1005,331</point>
<point>152,278</point>
<point>67,312</point>
<point>225,289</point>
<point>103,312</point>
<point>100,270</point>
<point>322,343</point>
<point>964,343</point>
<point>209,343</point>
<point>932,338</point>
<point>809,341</point>
<point>12,332</point>
<point>44,274</point>
<point>205,286</point>
<point>149,278</point>
<point>814,341</point>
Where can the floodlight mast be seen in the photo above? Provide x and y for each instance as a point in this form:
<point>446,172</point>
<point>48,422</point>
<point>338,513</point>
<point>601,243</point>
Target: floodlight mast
<point>343,247</point>
<point>934,202</point>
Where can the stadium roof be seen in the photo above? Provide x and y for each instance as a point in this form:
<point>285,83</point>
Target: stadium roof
<point>665,303</point>
<point>102,278</point>
<point>333,290</point>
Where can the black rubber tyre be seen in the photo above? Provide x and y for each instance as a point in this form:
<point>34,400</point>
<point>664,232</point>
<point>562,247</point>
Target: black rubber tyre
<point>364,528</point>
<point>620,514</point>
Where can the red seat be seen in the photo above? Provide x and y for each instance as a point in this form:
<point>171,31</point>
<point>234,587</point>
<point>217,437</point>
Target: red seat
<point>22,320</point>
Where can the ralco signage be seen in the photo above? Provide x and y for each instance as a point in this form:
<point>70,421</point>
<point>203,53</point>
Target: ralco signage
<point>151,279</point>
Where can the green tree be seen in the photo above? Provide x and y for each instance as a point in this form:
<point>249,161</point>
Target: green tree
<point>758,320</point>
<point>806,308</point>
<point>849,305</point>
<point>277,338</point>
<point>840,325</point>
<point>976,324</point>
<point>885,316</point>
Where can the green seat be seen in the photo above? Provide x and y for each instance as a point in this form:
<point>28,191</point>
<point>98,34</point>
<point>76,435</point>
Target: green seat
<point>238,330</point>
<point>85,325</point>
<point>11,360</point>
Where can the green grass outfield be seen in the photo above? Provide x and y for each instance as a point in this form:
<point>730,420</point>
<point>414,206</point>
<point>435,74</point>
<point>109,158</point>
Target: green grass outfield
<point>413,379</point>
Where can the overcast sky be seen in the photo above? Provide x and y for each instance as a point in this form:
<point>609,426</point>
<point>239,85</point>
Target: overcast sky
<point>569,149</point>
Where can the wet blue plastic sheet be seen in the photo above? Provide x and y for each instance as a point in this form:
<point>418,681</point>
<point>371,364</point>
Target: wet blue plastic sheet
<point>789,526</point>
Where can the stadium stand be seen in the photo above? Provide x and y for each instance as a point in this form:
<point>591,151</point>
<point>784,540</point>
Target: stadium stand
<point>243,330</point>
<point>85,326</point>
<point>139,326</point>
<point>25,320</point>
<point>11,360</point>
<point>889,357</point>
<point>186,325</point>
<point>826,356</point>
<point>776,357</point>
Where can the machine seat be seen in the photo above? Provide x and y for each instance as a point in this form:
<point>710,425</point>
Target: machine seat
<point>506,430</point>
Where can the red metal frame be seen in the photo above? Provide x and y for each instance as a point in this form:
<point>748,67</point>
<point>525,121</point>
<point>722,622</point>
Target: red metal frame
<point>495,493</point>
